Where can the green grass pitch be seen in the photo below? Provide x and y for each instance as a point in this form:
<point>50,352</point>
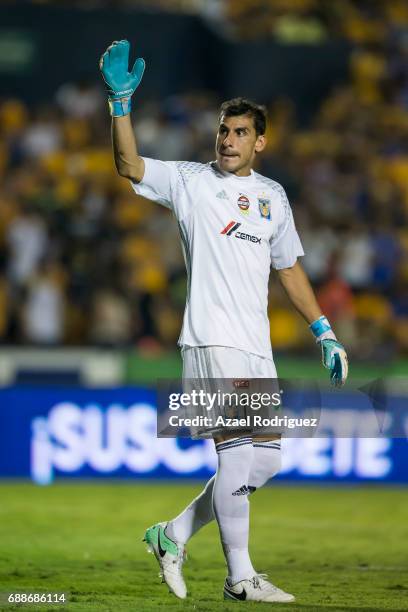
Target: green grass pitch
<point>334,548</point>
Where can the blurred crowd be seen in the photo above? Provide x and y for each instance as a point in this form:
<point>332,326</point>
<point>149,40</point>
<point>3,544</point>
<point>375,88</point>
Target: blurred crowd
<point>83,260</point>
<point>299,21</point>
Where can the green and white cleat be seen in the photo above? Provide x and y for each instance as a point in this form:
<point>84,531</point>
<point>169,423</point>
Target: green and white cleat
<point>256,589</point>
<point>170,556</point>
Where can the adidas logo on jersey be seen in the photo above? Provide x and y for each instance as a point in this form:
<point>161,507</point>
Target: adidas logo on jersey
<point>222,195</point>
<point>244,490</point>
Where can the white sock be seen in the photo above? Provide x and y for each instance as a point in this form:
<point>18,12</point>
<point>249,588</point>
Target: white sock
<point>231,505</point>
<point>196,515</point>
<point>266,462</point>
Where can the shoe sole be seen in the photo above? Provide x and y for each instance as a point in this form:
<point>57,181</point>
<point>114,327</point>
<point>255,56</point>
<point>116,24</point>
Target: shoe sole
<point>230,597</point>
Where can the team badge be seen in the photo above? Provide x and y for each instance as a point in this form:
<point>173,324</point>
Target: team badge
<point>243,204</point>
<point>264,208</point>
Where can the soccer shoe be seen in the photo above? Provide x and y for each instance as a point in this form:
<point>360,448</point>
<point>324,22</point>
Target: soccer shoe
<point>256,589</point>
<point>170,557</point>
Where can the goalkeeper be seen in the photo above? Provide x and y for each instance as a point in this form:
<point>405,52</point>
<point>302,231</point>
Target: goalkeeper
<point>234,226</point>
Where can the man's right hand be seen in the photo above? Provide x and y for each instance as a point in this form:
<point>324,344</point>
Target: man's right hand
<point>120,83</point>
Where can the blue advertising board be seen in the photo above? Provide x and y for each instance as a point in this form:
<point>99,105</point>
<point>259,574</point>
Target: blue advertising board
<point>49,433</point>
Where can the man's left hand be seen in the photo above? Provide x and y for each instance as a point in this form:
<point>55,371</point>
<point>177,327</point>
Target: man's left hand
<point>334,358</point>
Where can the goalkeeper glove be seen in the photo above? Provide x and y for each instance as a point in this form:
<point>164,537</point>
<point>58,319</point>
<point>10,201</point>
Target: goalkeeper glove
<point>334,356</point>
<point>120,83</point>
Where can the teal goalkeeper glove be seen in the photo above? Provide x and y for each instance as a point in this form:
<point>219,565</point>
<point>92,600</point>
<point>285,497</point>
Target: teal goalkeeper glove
<point>334,356</point>
<point>120,83</point>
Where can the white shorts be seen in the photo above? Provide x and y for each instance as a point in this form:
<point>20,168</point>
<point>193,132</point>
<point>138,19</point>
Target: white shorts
<point>224,362</point>
<point>218,368</point>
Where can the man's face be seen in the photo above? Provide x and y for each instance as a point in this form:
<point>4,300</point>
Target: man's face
<point>237,144</point>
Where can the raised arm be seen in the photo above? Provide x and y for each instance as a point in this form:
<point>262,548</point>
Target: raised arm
<point>301,294</point>
<point>127,161</point>
<point>121,85</point>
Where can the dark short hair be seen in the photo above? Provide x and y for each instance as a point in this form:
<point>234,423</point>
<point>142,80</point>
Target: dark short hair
<point>243,106</point>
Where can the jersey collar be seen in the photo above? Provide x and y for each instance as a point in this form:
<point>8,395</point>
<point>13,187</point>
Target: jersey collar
<point>232,176</point>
